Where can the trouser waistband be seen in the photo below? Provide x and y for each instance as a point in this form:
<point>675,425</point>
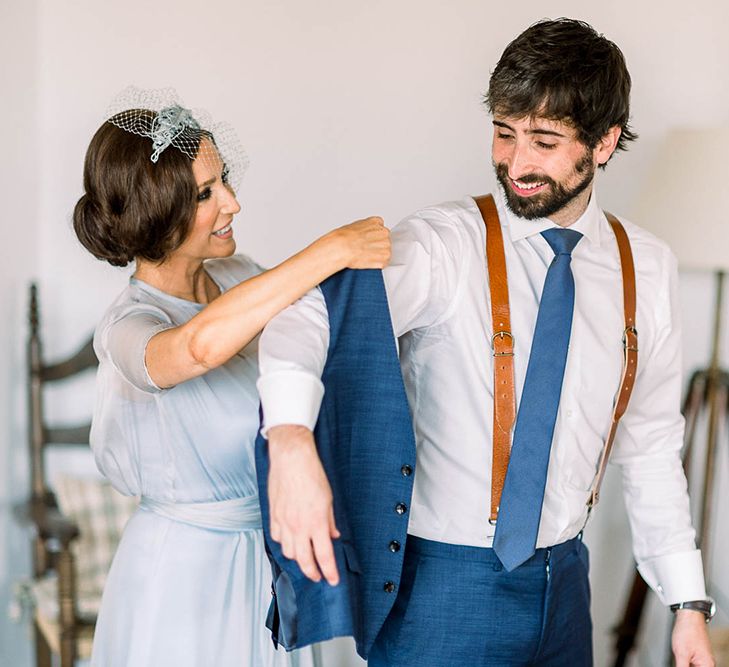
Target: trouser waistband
<point>487,555</point>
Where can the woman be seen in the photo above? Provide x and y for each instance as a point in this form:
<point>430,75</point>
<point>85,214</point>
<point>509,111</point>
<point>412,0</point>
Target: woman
<point>177,409</point>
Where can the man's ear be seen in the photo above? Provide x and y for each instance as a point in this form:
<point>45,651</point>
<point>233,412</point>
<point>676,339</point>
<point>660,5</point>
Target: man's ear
<point>607,145</point>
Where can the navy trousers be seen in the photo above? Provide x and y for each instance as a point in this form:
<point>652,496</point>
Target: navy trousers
<point>458,607</point>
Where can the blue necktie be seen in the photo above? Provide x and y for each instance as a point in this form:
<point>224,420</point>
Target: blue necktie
<point>520,508</point>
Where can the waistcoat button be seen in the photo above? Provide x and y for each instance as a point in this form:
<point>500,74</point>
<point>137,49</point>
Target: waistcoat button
<point>394,546</point>
<point>389,587</point>
<point>406,470</point>
<point>401,508</point>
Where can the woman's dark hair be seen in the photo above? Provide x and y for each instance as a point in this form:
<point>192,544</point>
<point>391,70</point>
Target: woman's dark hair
<point>132,207</point>
<point>564,70</point>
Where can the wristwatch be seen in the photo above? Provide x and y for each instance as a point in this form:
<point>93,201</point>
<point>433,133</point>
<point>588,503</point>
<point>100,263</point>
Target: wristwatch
<point>706,607</point>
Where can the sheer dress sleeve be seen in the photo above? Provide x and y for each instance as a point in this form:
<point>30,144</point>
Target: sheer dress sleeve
<point>123,342</point>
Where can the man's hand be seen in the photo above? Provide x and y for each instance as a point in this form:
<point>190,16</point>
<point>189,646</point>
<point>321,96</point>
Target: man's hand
<point>300,498</point>
<point>690,640</point>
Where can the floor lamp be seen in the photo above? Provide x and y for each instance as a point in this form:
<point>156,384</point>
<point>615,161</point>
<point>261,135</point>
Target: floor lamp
<point>682,202</point>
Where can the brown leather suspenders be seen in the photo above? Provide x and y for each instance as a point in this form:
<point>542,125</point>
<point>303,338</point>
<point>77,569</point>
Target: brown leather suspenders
<point>503,351</point>
<point>630,352</point>
<point>502,344</point>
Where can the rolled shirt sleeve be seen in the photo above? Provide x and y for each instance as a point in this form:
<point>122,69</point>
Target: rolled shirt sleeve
<point>292,353</point>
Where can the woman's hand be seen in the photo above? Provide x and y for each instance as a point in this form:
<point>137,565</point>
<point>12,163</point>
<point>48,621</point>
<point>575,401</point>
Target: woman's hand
<point>365,244</point>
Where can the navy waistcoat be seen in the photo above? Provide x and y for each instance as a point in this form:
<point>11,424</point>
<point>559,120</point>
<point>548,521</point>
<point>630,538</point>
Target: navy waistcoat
<point>365,441</point>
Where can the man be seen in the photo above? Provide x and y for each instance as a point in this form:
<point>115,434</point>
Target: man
<point>488,592</point>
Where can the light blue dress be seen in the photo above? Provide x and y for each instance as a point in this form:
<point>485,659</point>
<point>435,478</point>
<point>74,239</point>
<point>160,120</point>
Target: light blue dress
<point>190,584</point>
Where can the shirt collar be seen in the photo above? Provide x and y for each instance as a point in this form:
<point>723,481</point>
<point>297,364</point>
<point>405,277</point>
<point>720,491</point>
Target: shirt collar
<point>588,224</point>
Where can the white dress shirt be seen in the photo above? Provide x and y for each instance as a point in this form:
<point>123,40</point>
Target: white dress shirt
<point>437,286</point>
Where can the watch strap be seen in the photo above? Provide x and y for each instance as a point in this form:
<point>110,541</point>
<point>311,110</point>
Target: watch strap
<point>706,607</point>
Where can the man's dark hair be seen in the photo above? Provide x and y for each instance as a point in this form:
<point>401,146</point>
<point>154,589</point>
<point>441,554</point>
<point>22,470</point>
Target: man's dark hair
<point>564,70</point>
<point>133,208</point>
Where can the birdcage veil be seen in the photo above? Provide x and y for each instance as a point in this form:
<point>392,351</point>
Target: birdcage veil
<point>160,115</point>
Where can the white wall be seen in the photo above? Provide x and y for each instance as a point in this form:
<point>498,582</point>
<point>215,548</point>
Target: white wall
<point>346,109</point>
<point>20,188</point>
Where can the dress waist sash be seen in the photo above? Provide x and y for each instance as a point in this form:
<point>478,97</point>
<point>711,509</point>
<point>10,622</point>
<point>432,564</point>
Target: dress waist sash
<point>234,515</point>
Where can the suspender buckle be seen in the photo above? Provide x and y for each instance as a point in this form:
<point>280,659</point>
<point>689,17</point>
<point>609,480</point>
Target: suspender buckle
<point>501,335</point>
<point>630,339</point>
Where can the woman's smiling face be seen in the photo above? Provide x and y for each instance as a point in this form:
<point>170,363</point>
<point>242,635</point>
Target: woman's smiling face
<point>211,232</point>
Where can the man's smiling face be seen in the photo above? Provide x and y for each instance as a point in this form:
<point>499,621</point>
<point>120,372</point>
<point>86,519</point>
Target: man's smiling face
<point>542,166</point>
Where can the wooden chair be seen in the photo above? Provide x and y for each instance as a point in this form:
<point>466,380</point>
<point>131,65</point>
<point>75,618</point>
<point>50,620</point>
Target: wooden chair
<point>53,534</point>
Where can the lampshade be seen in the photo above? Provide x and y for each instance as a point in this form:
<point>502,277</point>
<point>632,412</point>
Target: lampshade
<point>684,198</point>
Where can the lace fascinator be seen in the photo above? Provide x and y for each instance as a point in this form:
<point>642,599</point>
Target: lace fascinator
<point>160,115</point>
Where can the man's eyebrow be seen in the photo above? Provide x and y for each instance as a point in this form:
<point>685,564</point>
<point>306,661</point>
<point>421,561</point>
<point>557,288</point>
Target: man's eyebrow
<point>499,123</point>
<point>540,130</point>
<point>535,130</point>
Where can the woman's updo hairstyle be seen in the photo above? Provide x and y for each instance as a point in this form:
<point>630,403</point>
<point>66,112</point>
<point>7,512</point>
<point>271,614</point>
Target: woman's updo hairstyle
<point>133,207</point>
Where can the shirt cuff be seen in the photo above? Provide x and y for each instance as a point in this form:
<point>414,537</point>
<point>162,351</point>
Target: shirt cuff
<point>290,397</point>
<point>676,577</point>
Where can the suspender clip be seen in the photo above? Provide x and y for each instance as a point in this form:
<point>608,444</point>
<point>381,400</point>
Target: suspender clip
<point>592,500</point>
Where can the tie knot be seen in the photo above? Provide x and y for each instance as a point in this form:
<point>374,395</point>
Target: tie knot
<point>562,241</point>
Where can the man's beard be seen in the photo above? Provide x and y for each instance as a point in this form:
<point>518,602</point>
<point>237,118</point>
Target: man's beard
<point>555,197</point>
